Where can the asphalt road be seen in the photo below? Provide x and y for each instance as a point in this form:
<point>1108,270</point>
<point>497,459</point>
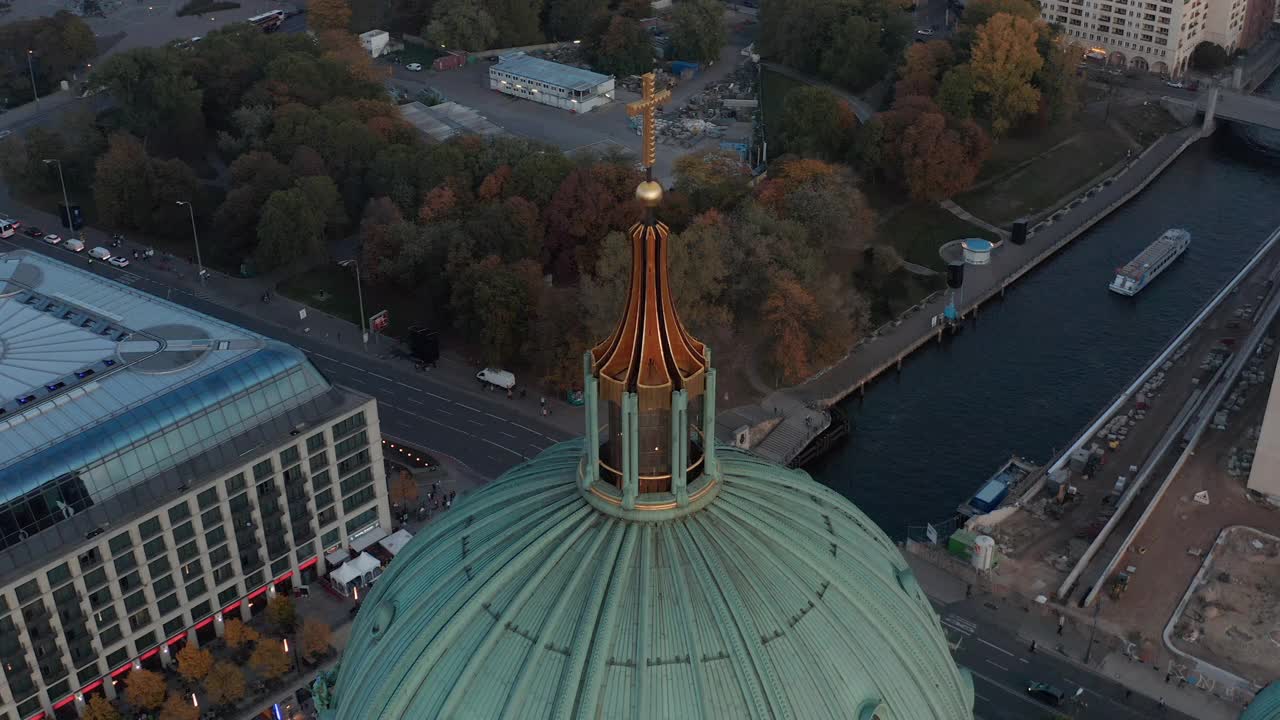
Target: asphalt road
<point>483,433</point>
<point>1003,666</point>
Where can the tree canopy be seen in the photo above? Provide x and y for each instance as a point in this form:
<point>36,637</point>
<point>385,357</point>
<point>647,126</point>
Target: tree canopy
<point>60,45</point>
<point>1005,59</point>
<point>224,684</point>
<point>850,42</point>
<point>816,123</point>
<point>698,31</point>
<point>144,689</point>
<point>461,25</point>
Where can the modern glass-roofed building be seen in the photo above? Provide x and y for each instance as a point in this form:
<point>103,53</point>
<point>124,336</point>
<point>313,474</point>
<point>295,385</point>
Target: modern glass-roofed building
<point>159,470</point>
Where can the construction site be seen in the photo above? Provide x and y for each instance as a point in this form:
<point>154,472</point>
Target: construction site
<point>1116,532</point>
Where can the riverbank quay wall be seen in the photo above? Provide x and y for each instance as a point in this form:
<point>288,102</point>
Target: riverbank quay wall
<point>894,342</point>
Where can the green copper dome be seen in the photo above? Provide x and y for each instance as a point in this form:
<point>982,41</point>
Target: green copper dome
<point>774,598</point>
<point>1265,705</point>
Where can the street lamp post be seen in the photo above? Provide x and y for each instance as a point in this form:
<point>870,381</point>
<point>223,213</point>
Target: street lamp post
<point>31,68</point>
<point>364,333</point>
<point>66,204</point>
<point>195,237</point>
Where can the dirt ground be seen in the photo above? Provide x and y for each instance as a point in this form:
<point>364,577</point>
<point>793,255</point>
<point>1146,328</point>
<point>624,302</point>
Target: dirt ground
<point>1233,620</point>
<point>1163,550</point>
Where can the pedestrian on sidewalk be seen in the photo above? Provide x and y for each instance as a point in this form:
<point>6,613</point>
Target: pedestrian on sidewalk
<point>1033,646</point>
<point>1062,620</point>
<point>543,402</point>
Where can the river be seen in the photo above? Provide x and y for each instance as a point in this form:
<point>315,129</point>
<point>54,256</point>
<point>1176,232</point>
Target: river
<point>1040,364</point>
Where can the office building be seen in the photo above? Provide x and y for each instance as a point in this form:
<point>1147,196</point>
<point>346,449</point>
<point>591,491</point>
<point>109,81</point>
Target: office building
<point>160,471</point>
<point>550,83</point>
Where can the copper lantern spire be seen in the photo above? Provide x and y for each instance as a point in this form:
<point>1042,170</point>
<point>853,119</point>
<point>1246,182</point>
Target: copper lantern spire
<point>651,376</point>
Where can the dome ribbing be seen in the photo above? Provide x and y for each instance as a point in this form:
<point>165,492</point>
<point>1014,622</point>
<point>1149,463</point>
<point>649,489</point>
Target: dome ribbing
<point>780,599</point>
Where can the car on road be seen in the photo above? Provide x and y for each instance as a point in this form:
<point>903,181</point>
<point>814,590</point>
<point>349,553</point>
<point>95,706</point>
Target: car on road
<point>12,221</point>
<point>413,67</point>
<point>33,232</point>
<point>924,31</point>
<point>100,253</point>
<point>119,261</point>
<point>1046,693</point>
<point>73,245</point>
<point>52,239</point>
<point>5,133</point>
<point>1174,84</point>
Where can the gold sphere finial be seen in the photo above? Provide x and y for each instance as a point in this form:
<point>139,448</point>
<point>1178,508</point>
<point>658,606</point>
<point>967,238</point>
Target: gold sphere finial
<point>649,193</point>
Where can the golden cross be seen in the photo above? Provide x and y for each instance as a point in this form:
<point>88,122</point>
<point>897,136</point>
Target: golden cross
<point>647,106</point>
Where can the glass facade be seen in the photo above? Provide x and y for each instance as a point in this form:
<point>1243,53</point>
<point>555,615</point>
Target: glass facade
<point>149,438</point>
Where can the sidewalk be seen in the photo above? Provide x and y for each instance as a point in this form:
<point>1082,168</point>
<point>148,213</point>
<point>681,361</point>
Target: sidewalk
<point>1030,622</point>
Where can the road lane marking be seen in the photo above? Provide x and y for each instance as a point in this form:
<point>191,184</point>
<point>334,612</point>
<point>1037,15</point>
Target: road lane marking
<point>407,385</point>
<point>527,429</point>
<point>465,406</point>
<point>959,624</point>
<point>496,417</point>
<point>996,664</point>
<point>415,402</point>
<point>513,437</point>
<point>997,647</point>
<point>381,377</point>
<point>353,367</point>
<point>438,397</point>
<point>322,355</point>
<point>1008,690</point>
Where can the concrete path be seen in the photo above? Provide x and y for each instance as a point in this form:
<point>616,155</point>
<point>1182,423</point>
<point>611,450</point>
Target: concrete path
<point>880,352</point>
<point>951,207</point>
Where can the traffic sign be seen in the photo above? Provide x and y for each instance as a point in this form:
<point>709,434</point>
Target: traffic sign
<point>379,321</point>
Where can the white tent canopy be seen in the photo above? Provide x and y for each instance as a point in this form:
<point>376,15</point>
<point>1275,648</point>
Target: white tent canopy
<point>354,570</point>
<point>337,557</point>
<point>396,541</point>
<point>366,540</point>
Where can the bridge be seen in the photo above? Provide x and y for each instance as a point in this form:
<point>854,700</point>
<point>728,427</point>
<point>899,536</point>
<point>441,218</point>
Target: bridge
<point>1234,107</point>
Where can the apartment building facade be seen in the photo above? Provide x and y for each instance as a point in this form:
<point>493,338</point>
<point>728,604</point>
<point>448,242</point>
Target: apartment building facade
<point>160,473</point>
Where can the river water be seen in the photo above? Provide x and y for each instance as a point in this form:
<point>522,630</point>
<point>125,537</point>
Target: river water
<point>1040,364</point>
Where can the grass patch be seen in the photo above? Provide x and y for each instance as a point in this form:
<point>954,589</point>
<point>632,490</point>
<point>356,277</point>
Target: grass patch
<point>1146,123</point>
<point>331,288</point>
<point>773,88</point>
<point>917,231</point>
<point>1056,173</point>
<point>200,7</point>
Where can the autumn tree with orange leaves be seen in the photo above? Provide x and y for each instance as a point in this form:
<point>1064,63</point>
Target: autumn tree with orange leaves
<point>929,154</point>
<point>1005,59</point>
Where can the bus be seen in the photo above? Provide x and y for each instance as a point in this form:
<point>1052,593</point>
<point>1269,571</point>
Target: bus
<point>268,21</point>
<point>7,228</point>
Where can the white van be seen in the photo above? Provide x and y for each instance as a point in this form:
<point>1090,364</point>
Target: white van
<point>7,229</point>
<point>100,253</point>
<point>497,378</point>
<point>73,245</point>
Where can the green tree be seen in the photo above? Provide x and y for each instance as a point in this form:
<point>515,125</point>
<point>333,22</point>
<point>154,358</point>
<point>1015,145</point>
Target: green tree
<point>100,708</point>
<point>134,191</point>
<point>536,176</point>
<point>519,21</point>
<point>698,31</point>
<point>713,178</point>
<point>815,122</point>
<point>1208,57</point>
<point>1060,85</point>
<point>955,94</point>
<point>572,19</point>
<point>225,683</point>
<point>461,25</point>
<point>61,46</point>
<point>558,338</point>
<point>329,15</point>
<point>291,228</point>
<point>156,98</point>
<point>492,303</point>
<point>620,46</point>
<point>923,67</point>
<point>22,159</point>
<point>269,660</point>
<point>1005,59</point>
<point>281,613</point>
<point>144,689</point>
<point>856,61</point>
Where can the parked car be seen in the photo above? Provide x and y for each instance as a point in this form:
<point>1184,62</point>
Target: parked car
<point>1046,693</point>
<point>14,222</point>
<point>1175,84</point>
<point>52,239</point>
<point>73,245</point>
<point>100,253</point>
<point>33,232</point>
<point>413,67</point>
<point>119,261</point>
<point>924,31</point>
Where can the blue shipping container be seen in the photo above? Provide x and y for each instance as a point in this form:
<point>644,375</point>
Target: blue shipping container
<point>679,66</point>
<point>990,496</point>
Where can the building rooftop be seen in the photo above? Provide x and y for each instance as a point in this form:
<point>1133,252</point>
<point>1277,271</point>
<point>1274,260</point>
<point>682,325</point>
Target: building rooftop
<point>105,386</point>
<point>551,73</point>
<point>443,121</point>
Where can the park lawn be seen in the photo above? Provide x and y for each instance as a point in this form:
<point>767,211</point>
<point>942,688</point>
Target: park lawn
<point>1056,173</point>
<point>917,231</point>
